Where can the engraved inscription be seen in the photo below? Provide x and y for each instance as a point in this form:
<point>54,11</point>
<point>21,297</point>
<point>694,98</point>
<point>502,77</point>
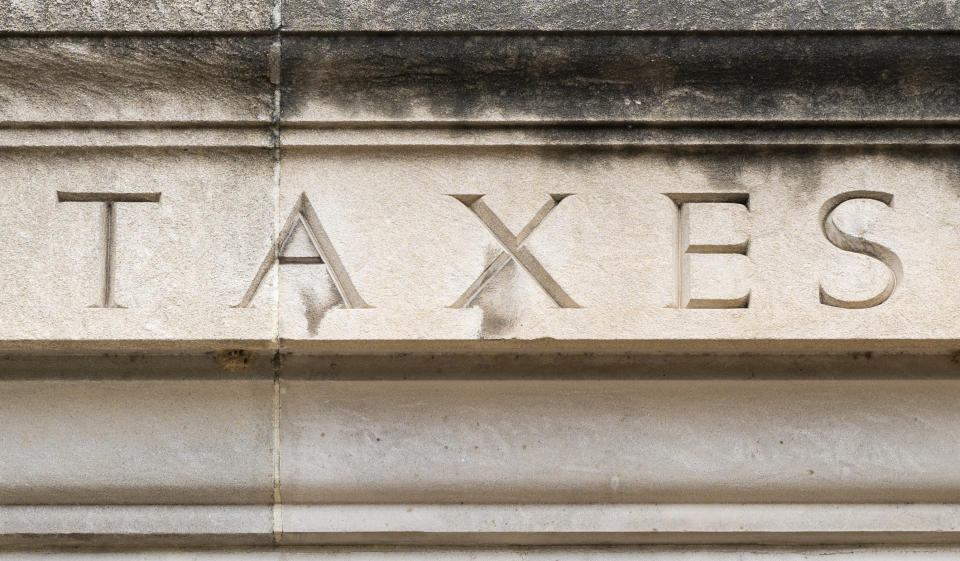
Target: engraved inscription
<point>707,224</point>
<point>857,244</point>
<point>512,250</point>
<point>303,222</point>
<point>109,201</point>
<point>683,201</point>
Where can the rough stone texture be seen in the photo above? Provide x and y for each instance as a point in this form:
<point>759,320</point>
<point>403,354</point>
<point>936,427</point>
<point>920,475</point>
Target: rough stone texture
<point>27,16</point>
<point>118,80</point>
<point>619,15</point>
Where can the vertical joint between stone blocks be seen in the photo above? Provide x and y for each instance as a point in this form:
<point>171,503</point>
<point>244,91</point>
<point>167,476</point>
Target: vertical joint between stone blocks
<point>275,62</point>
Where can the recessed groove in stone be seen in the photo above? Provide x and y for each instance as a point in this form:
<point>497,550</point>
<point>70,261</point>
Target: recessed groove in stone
<point>283,260</point>
<point>90,197</point>
<point>482,364</point>
<point>105,135</point>
<point>434,133</point>
<point>437,133</point>
<point>613,365</point>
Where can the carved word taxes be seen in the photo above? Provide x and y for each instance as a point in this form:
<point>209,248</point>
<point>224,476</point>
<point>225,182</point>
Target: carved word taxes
<point>109,201</point>
<point>303,218</point>
<point>684,248</point>
<point>513,250</point>
<point>860,245</point>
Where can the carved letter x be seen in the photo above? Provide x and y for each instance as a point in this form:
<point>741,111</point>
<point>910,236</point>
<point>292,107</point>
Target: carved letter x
<point>513,250</point>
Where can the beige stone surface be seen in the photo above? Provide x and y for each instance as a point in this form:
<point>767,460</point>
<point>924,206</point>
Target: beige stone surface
<point>599,442</point>
<point>483,281</point>
<point>594,244</point>
<point>141,442</point>
<point>135,525</point>
<point>415,253</point>
<point>172,450</point>
<point>115,15</point>
<point>818,524</point>
<point>179,264</point>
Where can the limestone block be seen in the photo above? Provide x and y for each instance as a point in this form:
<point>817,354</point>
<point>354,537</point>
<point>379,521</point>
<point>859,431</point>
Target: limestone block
<point>594,442</point>
<point>135,525</point>
<point>617,15</point>
<point>115,15</point>
<point>526,243</point>
<point>120,248</point>
<point>139,442</point>
<point>129,79</point>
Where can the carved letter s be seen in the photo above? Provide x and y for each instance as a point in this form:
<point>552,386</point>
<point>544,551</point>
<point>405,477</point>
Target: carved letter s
<point>862,246</point>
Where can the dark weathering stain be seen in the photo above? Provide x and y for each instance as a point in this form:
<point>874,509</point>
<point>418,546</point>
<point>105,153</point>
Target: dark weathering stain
<point>668,77</point>
<point>495,322</point>
<point>315,307</point>
<point>496,305</point>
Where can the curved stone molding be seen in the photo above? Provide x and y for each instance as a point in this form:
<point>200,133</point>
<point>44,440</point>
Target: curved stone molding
<point>618,442</point>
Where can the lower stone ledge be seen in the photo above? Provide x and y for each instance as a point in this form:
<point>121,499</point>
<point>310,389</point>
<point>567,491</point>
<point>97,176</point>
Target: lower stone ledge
<point>621,524</point>
<point>136,525</point>
<point>478,525</point>
<point>657,553</point>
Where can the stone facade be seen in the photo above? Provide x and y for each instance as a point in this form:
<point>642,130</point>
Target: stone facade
<point>504,280</point>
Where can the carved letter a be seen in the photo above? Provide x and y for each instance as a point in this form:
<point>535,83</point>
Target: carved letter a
<point>303,216</point>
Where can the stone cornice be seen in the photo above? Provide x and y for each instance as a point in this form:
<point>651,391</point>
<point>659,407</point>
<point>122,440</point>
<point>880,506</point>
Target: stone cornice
<point>496,15</point>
